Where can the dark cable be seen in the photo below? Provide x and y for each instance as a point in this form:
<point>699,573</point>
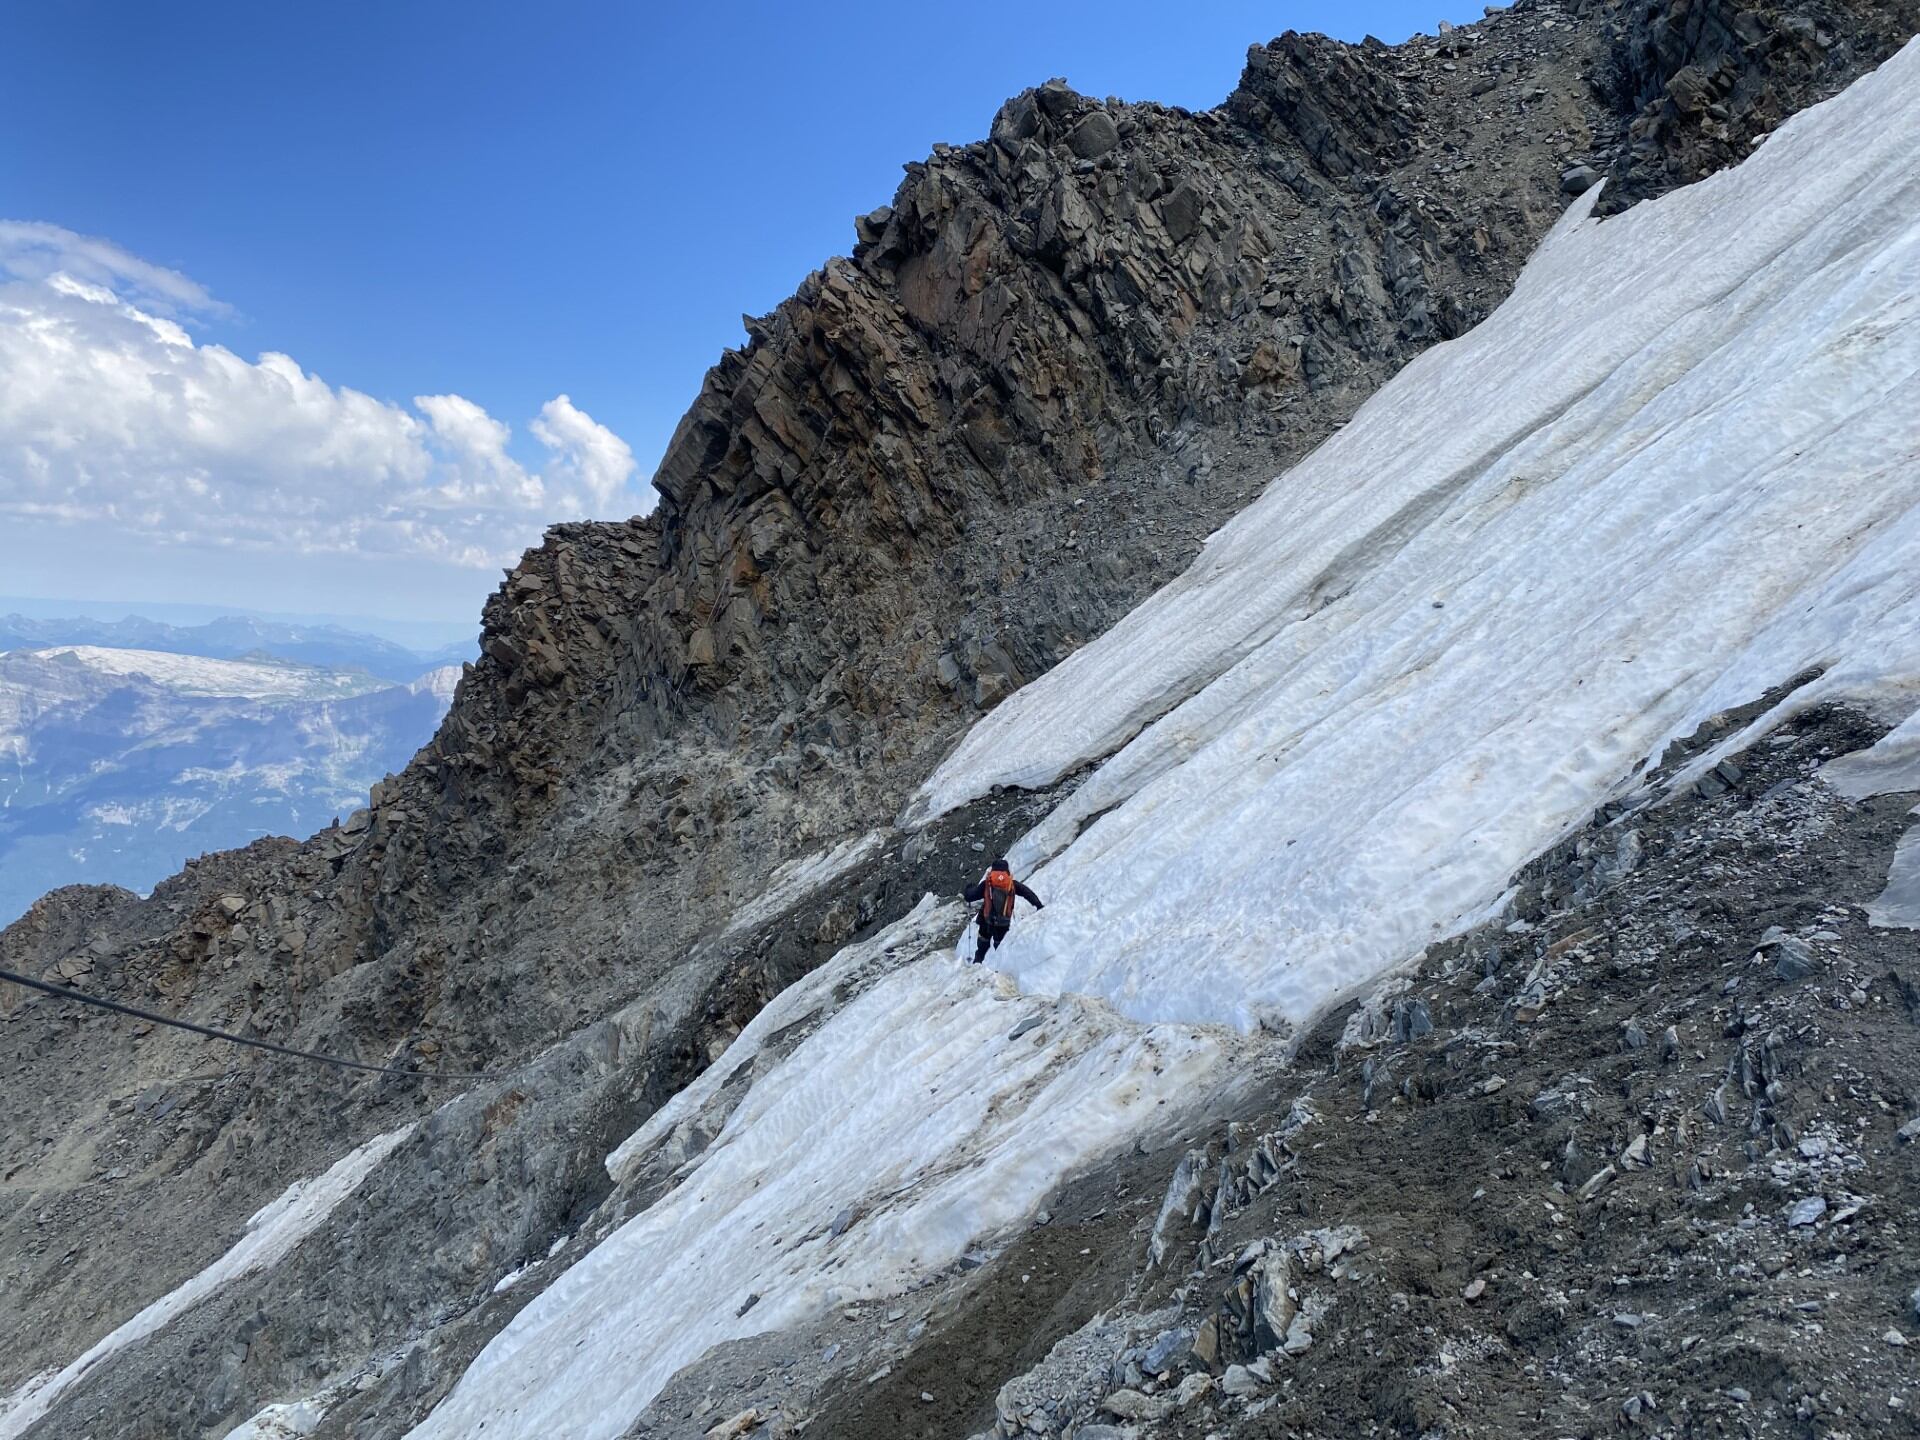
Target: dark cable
<point>64,993</point>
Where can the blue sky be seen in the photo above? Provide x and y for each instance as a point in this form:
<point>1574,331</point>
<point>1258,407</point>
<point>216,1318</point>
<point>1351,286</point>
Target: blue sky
<point>543,218</point>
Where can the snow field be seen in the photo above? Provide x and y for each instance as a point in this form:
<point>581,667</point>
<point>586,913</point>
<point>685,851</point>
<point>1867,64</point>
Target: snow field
<point>1680,466</point>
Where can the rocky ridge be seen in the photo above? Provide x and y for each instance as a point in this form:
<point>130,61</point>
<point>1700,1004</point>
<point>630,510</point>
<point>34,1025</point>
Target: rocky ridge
<point>1050,366</point>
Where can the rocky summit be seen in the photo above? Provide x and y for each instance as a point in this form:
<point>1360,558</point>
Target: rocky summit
<point>1629,1153</point>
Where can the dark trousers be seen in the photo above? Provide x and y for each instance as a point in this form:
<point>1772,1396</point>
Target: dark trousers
<point>988,940</point>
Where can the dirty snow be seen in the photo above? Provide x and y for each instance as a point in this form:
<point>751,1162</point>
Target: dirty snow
<point>281,1422</point>
<point>794,881</point>
<point>1891,765</point>
<point>1898,906</point>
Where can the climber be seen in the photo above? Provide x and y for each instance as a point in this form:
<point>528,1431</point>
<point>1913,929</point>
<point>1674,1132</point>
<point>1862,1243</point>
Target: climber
<point>994,892</point>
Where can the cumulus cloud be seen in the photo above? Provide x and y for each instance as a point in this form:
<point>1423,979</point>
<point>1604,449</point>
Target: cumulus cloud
<point>111,414</point>
<point>588,457</point>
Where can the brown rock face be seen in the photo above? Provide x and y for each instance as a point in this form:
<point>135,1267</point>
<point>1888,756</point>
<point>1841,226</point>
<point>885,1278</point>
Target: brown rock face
<point>1701,80</point>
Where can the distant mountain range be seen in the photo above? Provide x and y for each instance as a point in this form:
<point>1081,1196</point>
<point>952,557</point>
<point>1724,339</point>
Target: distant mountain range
<point>118,764</point>
<point>233,636</point>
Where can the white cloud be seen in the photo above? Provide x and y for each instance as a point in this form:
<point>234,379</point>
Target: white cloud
<point>474,445</point>
<point>111,415</point>
<point>588,455</point>
<point>35,250</point>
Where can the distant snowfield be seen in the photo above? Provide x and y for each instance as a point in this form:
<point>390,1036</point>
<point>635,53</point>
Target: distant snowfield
<point>241,679</point>
<point>1678,467</point>
<point>439,683</point>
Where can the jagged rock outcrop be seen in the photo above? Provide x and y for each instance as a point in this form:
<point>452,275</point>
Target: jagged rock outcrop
<point>1050,366</point>
<point>1703,80</point>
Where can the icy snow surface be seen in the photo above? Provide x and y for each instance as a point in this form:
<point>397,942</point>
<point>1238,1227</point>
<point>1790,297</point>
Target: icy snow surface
<point>270,1235</point>
<point>807,999</point>
<point>909,1108</point>
<point>1881,769</point>
<point>1679,466</point>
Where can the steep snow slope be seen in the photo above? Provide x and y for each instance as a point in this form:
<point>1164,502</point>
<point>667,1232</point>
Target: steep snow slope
<point>1678,467</point>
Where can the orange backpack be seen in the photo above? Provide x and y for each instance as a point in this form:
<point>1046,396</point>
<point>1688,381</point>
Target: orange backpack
<point>996,902</point>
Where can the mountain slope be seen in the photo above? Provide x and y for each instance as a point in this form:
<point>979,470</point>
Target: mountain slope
<point>870,533</point>
<point>1386,686</point>
<point>1409,758</point>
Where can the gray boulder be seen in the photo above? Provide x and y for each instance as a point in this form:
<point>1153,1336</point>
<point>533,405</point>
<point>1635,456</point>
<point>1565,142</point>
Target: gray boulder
<point>1094,136</point>
<point>1578,179</point>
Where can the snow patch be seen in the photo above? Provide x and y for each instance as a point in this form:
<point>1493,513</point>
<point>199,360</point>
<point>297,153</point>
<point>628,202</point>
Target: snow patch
<point>512,1278</point>
<point>793,881</point>
<point>1885,768</point>
<point>1898,906</point>
<point>281,1422</point>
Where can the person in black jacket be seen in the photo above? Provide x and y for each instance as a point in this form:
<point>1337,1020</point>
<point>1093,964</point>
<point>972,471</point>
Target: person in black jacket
<point>993,892</point>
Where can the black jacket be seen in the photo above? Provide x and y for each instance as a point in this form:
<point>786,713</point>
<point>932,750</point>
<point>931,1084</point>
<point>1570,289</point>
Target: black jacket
<point>977,892</point>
